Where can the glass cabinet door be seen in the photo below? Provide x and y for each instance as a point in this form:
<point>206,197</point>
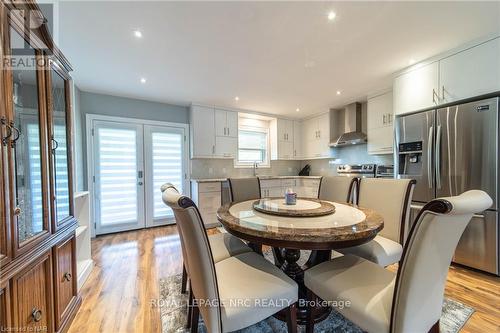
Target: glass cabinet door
<point>58,88</point>
<point>28,152</point>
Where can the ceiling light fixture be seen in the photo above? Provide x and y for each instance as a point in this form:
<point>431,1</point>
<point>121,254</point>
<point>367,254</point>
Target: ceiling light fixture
<point>332,15</point>
<point>143,80</point>
<point>236,98</point>
<point>297,110</point>
<point>338,92</point>
<point>411,61</point>
<point>138,33</point>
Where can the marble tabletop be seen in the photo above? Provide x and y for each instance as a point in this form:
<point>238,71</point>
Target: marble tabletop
<point>349,225</point>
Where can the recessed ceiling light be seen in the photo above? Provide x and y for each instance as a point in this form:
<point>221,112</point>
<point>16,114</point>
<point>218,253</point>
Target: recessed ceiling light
<point>143,80</point>
<point>332,15</point>
<point>411,61</point>
<point>236,98</point>
<point>338,92</point>
<point>138,33</point>
<point>297,110</point>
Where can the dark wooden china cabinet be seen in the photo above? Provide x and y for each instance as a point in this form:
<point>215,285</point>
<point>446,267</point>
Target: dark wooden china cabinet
<point>38,280</point>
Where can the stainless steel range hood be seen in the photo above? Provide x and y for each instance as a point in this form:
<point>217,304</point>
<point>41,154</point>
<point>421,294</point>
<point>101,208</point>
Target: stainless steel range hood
<point>351,131</point>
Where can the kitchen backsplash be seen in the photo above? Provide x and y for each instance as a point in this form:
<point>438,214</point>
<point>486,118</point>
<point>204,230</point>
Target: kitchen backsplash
<point>346,155</point>
<point>222,168</point>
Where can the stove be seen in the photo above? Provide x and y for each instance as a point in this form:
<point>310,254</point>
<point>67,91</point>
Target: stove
<point>357,170</point>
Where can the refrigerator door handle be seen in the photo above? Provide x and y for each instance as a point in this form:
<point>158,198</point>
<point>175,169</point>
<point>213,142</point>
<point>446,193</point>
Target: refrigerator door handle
<point>438,157</point>
<point>429,156</point>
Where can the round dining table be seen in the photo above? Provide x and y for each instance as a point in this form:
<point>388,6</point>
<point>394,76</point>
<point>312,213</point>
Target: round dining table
<point>310,224</point>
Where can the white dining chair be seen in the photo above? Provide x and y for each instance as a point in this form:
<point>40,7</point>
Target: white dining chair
<point>410,300</point>
<point>391,198</point>
<point>340,189</point>
<point>222,245</point>
<point>233,293</point>
<point>243,189</point>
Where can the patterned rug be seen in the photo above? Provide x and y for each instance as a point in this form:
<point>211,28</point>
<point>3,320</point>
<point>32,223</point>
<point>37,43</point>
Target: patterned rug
<point>173,315</point>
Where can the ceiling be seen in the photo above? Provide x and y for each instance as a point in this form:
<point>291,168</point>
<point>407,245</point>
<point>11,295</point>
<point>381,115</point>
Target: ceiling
<point>275,56</point>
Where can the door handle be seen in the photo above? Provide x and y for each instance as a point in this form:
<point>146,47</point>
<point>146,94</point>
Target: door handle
<point>429,156</point>
<point>438,157</point>
<point>383,119</point>
<point>4,122</point>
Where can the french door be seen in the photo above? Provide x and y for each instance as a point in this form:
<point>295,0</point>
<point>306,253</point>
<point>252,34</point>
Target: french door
<point>130,163</point>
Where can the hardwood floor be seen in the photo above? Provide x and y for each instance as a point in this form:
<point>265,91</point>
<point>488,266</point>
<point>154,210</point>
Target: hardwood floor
<point>119,293</point>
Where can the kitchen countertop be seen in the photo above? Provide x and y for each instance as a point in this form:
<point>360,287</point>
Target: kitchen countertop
<point>208,180</point>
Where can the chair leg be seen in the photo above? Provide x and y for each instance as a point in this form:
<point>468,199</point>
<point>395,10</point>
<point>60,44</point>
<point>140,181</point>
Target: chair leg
<point>195,316</point>
<point>184,279</point>
<point>189,309</point>
<point>435,328</point>
<point>291,318</point>
<point>310,311</point>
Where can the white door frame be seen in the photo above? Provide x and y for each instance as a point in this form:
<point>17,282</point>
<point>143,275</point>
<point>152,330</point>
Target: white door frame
<point>90,118</point>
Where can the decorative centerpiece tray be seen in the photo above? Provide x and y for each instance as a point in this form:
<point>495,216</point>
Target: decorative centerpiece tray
<point>303,208</point>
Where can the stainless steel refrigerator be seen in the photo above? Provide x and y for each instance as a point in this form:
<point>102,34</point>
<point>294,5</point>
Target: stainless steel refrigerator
<point>449,151</point>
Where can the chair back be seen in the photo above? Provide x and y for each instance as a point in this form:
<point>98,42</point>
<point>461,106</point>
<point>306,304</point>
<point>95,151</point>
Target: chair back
<point>391,198</point>
<point>427,254</point>
<point>199,260</point>
<point>338,189</point>
<point>243,189</point>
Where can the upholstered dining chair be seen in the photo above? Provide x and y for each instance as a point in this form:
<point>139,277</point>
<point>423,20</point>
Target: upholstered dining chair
<point>243,189</point>
<point>222,245</point>
<point>410,300</point>
<point>233,293</point>
<point>338,188</point>
<point>391,198</point>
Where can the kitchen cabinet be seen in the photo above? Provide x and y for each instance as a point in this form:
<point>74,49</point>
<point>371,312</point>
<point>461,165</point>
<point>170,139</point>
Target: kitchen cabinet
<point>202,131</point>
<point>297,142</point>
<point>316,137</point>
<point>208,197</point>
<point>470,73</point>
<point>214,132</point>
<point>416,89</point>
<point>304,187</point>
<point>226,123</point>
<point>467,73</point>
<point>285,139</point>
<point>380,124</point>
<point>4,308</point>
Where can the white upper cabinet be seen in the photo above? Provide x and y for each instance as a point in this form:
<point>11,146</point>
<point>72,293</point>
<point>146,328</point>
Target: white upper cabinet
<point>202,123</point>
<point>297,142</point>
<point>380,112</point>
<point>380,124</point>
<point>285,150</point>
<point>416,89</point>
<point>285,130</point>
<point>226,146</point>
<point>226,123</point>
<point>316,137</point>
<point>470,73</point>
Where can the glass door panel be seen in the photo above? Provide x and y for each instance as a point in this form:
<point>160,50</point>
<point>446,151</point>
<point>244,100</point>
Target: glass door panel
<point>26,145</point>
<point>59,153</point>
<point>165,162</point>
<point>118,185</point>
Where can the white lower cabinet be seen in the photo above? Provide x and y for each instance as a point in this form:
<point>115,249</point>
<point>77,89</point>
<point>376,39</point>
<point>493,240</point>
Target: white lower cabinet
<point>207,196</point>
<point>304,187</point>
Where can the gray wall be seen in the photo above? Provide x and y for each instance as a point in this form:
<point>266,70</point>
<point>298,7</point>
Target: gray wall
<point>91,103</point>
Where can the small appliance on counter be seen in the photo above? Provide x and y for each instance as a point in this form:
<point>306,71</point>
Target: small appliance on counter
<point>305,170</point>
<point>357,170</point>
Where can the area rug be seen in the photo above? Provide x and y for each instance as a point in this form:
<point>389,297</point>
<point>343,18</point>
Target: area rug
<point>173,313</point>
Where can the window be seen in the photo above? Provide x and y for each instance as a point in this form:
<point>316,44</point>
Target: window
<point>253,146</point>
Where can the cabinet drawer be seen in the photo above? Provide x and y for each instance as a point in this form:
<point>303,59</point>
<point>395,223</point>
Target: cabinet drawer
<point>65,279</point>
<point>288,182</point>
<point>209,217</point>
<point>209,201</point>
<point>32,296</point>
<point>310,182</point>
<point>266,183</point>
<point>209,187</point>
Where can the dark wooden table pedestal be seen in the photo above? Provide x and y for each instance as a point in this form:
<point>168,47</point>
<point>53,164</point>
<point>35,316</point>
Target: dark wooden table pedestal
<point>287,259</point>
